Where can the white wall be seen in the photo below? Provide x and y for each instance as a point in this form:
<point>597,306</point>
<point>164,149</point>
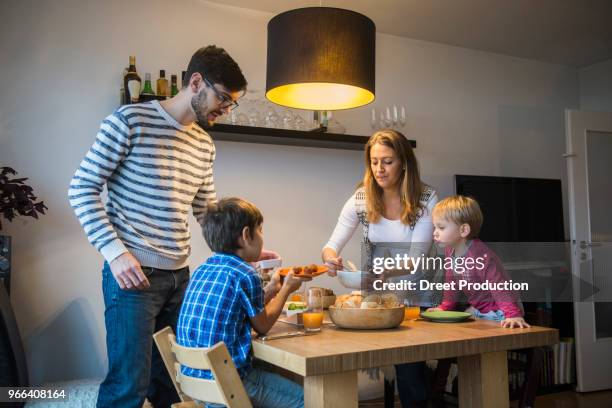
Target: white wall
<point>471,113</point>
<point>596,87</point>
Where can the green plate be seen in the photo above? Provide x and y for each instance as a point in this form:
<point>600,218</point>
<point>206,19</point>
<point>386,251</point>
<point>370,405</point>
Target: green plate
<point>446,316</point>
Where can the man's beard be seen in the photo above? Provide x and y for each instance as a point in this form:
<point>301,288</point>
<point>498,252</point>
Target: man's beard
<point>196,103</point>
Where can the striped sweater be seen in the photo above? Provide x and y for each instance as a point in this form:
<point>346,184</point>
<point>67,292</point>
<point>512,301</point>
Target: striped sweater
<point>155,169</point>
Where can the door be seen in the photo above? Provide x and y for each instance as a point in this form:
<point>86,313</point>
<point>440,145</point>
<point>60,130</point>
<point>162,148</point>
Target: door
<point>589,166</point>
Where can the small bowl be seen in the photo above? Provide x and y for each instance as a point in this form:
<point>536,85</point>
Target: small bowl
<point>367,319</point>
<point>328,301</point>
<point>350,279</point>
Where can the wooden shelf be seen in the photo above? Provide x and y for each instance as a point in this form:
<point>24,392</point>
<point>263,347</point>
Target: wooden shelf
<point>252,134</point>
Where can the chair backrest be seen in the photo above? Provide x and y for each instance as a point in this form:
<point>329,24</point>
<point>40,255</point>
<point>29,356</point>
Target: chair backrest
<point>226,388</point>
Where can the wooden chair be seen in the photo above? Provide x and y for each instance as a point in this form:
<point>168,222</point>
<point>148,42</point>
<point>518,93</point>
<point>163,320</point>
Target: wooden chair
<point>226,388</point>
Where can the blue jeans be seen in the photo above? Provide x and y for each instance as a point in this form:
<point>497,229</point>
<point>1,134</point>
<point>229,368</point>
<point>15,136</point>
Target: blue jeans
<point>412,384</point>
<point>135,368</point>
<point>269,390</point>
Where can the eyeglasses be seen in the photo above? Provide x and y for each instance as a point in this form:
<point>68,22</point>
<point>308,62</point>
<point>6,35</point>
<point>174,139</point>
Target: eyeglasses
<point>226,100</point>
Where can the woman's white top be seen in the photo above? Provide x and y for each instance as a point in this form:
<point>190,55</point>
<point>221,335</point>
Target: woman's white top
<point>385,230</point>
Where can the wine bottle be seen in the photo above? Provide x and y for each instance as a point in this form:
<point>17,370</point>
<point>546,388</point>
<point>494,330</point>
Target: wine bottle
<point>122,100</point>
<point>174,90</point>
<point>162,84</point>
<point>147,90</point>
<point>183,84</point>
<point>132,83</point>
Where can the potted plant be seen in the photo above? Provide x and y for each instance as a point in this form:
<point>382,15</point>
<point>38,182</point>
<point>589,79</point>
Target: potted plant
<point>16,199</point>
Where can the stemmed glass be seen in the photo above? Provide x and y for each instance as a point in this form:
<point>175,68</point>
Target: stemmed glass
<point>272,119</point>
<point>374,120</point>
<point>402,117</point>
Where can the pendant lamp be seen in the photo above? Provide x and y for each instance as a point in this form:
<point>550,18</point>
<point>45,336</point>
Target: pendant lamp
<point>321,58</point>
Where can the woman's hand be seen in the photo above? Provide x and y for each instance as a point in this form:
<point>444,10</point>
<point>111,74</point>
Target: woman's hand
<point>334,264</point>
<point>512,322</point>
<point>332,261</point>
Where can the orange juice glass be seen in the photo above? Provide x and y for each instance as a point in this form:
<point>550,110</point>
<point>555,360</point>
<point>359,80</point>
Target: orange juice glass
<point>312,321</point>
<point>412,312</point>
<point>313,316</point>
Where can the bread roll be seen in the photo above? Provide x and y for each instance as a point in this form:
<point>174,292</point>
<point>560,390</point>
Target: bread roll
<point>348,301</point>
<point>389,300</point>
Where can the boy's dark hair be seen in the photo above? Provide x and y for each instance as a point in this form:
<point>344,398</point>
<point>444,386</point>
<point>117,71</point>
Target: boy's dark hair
<point>225,221</point>
<point>216,65</point>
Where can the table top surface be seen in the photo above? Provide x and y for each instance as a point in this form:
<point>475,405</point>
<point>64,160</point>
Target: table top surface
<point>335,349</point>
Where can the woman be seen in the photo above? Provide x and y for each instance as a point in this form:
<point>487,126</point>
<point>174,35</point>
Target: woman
<point>392,205</point>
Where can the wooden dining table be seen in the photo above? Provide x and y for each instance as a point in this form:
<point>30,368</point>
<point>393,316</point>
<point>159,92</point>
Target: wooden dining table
<point>329,361</point>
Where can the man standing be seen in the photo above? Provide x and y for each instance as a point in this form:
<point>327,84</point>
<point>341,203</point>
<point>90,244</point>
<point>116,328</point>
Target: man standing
<point>156,162</point>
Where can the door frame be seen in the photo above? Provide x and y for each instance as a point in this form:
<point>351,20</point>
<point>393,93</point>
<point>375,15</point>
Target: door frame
<point>588,348</point>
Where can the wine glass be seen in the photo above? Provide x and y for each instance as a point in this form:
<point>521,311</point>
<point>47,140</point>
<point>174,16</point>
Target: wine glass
<point>373,119</point>
<point>300,123</point>
<point>242,119</point>
<point>272,119</point>
<point>388,121</point>
<point>287,119</point>
<point>254,115</point>
<point>395,116</point>
<point>402,116</point>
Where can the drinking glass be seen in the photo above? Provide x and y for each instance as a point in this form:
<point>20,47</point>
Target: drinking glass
<point>411,311</point>
<point>313,316</point>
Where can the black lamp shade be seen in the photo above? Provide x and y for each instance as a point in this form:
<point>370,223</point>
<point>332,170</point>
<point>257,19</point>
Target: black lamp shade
<point>321,58</point>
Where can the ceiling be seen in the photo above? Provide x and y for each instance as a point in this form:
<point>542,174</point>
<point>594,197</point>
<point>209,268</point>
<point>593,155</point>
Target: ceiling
<point>568,32</point>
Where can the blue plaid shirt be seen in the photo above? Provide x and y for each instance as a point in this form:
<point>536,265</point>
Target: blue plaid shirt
<point>222,294</point>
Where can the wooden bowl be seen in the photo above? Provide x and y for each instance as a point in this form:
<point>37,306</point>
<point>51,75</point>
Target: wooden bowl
<point>328,301</point>
<point>367,319</point>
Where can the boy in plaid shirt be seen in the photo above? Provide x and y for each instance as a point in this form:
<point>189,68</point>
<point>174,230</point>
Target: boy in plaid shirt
<point>225,299</point>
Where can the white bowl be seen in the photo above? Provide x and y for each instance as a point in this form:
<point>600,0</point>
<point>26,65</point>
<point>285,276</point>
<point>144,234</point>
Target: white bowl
<point>350,279</point>
<point>270,263</point>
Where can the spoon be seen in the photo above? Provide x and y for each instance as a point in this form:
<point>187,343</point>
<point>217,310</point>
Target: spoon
<point>351,266</point>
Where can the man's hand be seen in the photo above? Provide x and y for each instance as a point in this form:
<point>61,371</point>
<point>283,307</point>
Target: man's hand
<point>512,322</point>
<point>127,272</point>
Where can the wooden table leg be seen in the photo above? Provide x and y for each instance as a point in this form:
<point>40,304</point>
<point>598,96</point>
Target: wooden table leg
<point>483,380</point>
<point>337,390</point>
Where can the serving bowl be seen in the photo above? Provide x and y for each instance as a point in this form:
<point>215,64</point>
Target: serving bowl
<point>350,279</point>
<point>367,319</point>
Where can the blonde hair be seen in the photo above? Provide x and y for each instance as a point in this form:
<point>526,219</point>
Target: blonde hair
<point>461,210</point>
<point>411,186</point>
